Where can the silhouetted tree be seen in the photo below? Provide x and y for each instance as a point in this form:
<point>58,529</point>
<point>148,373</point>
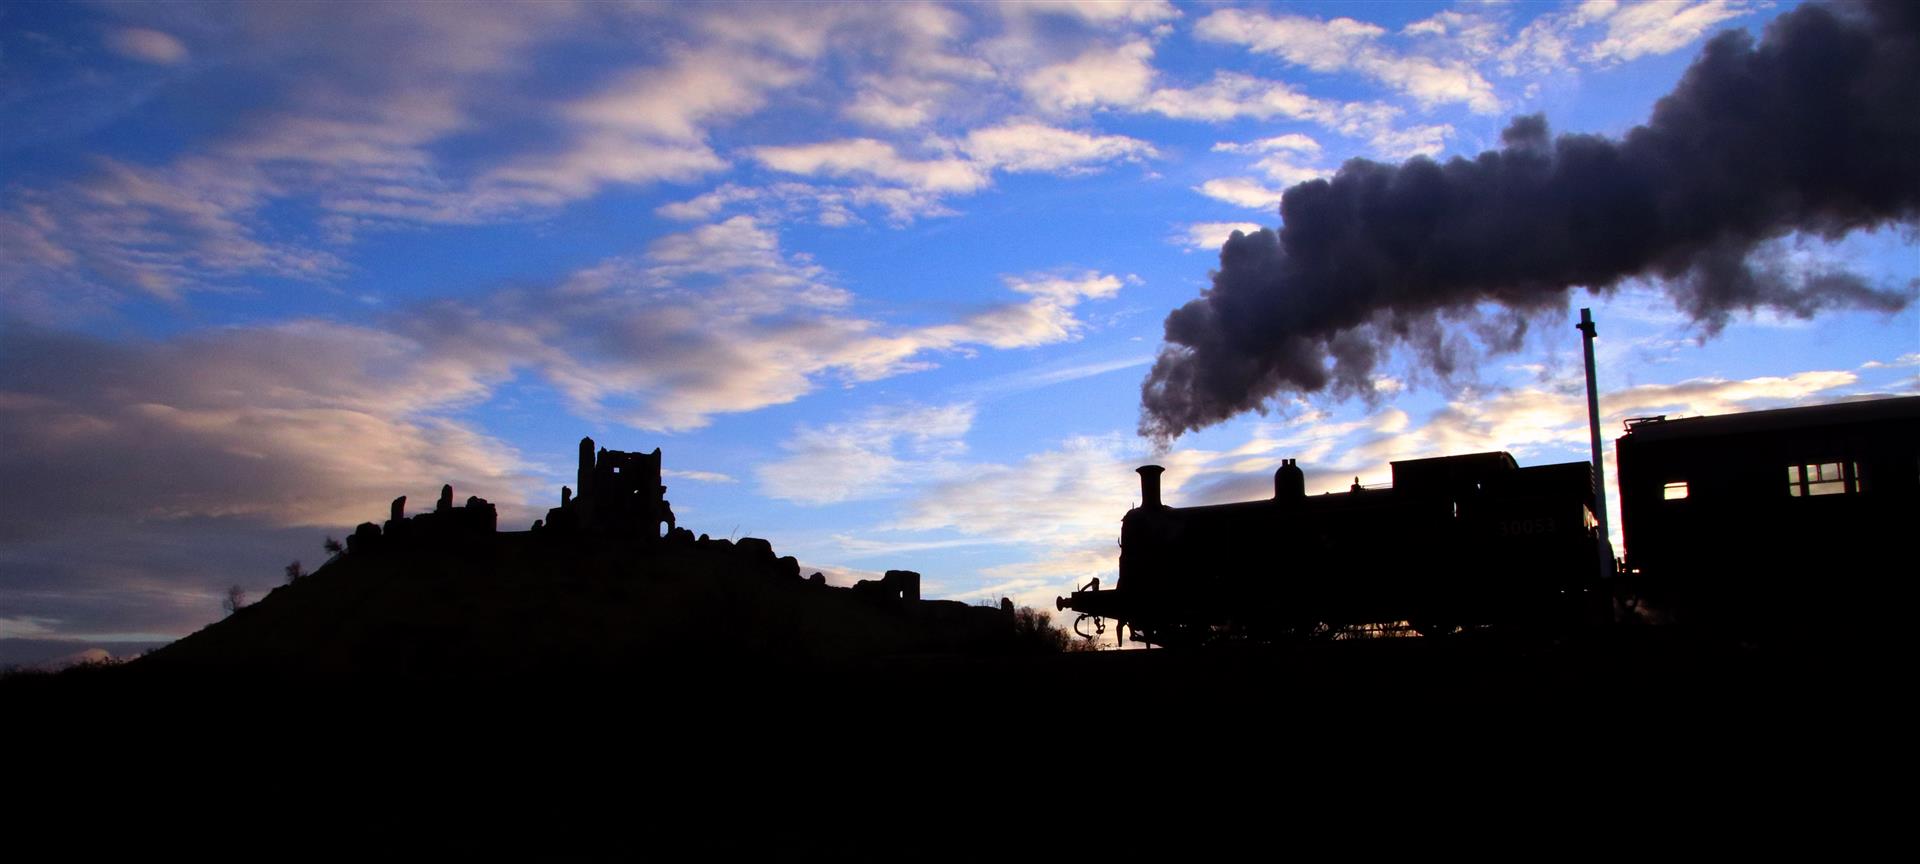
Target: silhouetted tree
<point>333,547</point>
<point>294,572</point>
<point>236,599</point>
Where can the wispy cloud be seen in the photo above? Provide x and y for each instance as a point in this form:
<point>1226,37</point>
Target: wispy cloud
<point>869,456</point>
<point>1048,377</point>
<point>1343,44</point>
<point>698,476</point>
<point>1209,236</point>
<point>910,186</point>
<point>1242,192</point>
<point>147,46</point>
<point>719,319</point>
<point>1909,359</point>
<point>1639,29</point>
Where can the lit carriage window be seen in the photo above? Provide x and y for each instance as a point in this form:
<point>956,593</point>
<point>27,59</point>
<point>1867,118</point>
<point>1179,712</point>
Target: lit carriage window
<point>1825,479</point>
<point>1674,491</point>
<point>1822,478</point>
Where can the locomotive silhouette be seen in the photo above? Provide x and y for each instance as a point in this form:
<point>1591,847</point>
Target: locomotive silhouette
<point>1456,541</point>
<point>1768,525</point>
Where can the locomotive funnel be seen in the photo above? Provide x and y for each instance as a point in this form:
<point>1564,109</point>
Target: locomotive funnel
<point>1150,485</point>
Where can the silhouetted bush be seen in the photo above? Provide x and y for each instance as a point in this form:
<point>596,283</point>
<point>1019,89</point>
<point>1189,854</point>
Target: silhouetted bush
<point>295,572</point>
<point>1034,631</point>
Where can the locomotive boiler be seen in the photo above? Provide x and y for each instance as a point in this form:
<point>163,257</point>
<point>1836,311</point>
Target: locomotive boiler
<point>1454,542</point>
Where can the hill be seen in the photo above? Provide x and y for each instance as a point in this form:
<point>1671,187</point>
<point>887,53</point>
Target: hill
<point>607,581</point>
<point>540,603</point>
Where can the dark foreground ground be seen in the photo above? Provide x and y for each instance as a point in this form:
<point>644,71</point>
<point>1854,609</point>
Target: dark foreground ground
<point>1629,677</point>
<point>1610,742</point>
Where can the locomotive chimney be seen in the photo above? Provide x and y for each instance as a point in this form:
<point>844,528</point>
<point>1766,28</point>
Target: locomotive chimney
<point>1289,482</point>
<point>1150,485</point>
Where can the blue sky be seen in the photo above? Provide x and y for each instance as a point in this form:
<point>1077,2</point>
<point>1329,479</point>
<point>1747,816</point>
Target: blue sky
<point>882,280</point>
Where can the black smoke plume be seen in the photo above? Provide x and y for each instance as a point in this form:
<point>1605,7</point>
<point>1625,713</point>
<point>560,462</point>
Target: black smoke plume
<point>1814,131</point>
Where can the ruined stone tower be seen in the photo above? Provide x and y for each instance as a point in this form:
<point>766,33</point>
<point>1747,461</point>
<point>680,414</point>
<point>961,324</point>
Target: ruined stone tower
<point>620,493</point>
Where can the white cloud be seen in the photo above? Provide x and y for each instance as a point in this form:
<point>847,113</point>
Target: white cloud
<point>698,476</point>
<point>1122,77</point>
<point>1323,46</point>
<point>1280,168</point>
<point>1278,157</point>
<point>1556,41</point>
<point>306,423</point>
<point>1013,146</point>
<point>876,160</point>
<point>26,627</point>
<point>675,101</point>
<point>647,127</point>
<point>1640,29</point>
<point>1049,376</point>
<point>897,102</point>
<point>1099,77</point>
<point>1432,81</point>
<point>870,456</point>
<point>353,135</point>
<point>1210,236</point>
<point>1281,154</point>
<point>833,206</point>
<point>1424,140</point>
<point>908,187</point>
<point>1044,320</point>
<point>1071,500</point>
<point>1241,192</point>
<point>875,108</point>
<point>147,46</point>
<point>165,471</point>
<point>1230,95</point>
<point>153,232</point>
<point>1590,11</point>
<point>1291,142</point>
<point>358,133</point>
<point>719,320</point>
<point>1101,11</point>
<point>1463,33</point>
<point>1908,359</point>
<point>1029,146</point>
<point>1544,46</point>
<point>1067,497</point>
<point>1343,44</point>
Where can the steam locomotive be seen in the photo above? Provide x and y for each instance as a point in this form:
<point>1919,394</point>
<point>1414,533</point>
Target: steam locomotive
<point>1457,541</point>
<point>1715,538</point>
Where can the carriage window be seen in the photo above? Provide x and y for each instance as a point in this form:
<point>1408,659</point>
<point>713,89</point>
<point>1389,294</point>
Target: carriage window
<point>1823,478</point>
<point>1674,491</point>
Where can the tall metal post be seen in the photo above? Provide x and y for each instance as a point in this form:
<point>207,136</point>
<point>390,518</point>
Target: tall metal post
<point>1587,332</point>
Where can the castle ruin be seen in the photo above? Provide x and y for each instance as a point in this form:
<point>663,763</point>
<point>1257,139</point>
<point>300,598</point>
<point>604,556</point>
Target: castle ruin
<point>619,497</point>
<point>619,493</point>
